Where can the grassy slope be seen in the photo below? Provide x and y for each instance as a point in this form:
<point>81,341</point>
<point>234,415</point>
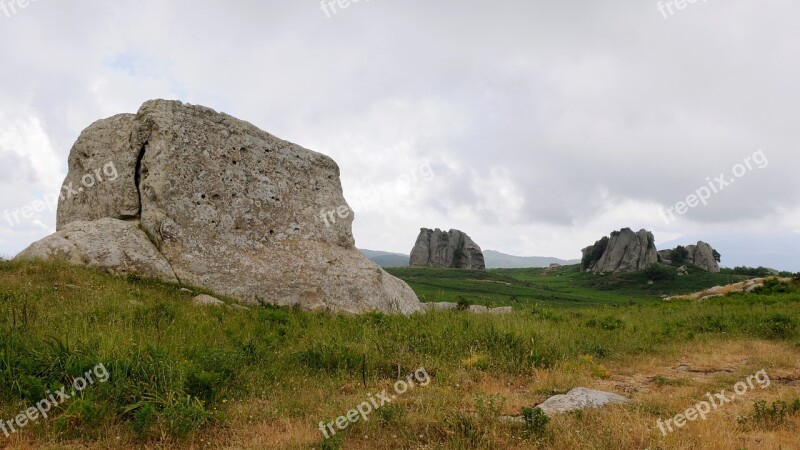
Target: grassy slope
<point>188,376</point>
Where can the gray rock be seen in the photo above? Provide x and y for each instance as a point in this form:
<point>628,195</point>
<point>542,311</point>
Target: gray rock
<point>702,256</point>
<point>452,249</point>
<point>478,309</point>
<point>117,246</point>
<point>501,310</point>
<point>440,306</point>
<point>232,209</point>
<point>579,398</point>
<point>625,251</point>
<point>207,300</point>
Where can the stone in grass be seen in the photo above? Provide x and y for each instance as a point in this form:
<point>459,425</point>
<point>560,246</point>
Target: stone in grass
<point>501,310</point>
<point>578,399</point>
<point>479,309</point>
<point>207,300</point>
<point>442,306</point>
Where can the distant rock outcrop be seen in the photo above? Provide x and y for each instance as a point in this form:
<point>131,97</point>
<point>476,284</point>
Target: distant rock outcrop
<point>624,251</point>
<point>701,255</point>
<point>203,198</point>
<point>453,249</point>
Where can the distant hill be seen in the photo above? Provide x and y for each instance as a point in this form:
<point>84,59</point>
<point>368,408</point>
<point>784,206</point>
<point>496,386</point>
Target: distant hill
<point>494,260</point>
<point>386,259</point>
<point>497,260</point>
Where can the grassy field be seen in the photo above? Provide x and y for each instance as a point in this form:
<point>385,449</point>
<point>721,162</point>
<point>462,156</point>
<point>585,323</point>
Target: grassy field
<point>190,377</point>
<point>564,287</point>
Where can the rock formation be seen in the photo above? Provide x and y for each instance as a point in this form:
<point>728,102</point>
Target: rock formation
<point>624,251</point>
<point>701,255</point>
<point>205,199</point>
<point>453,249</point>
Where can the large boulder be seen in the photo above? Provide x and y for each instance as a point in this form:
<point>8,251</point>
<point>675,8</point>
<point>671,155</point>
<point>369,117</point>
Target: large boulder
<point>228,206</point>
<point>452,249</point>
<point>625,251</point>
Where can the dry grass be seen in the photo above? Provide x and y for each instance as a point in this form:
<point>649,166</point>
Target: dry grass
<point>659,387</point>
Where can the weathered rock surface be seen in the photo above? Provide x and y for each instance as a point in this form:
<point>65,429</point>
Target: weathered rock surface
<point>624,251</point>
<point>113,245</point>
<point>452,249</point>
<point>579,398</point>
<point>103,146</point>
<point>229,207</point>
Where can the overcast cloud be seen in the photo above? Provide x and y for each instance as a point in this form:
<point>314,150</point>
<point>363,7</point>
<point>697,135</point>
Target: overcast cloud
<point>546,124</point>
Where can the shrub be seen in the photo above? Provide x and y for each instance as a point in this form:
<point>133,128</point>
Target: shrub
<point>535,421</point>
<point>679,255</point>
<point>778,326</point>
<point>595,253</point>
<point>658,272</point>
<point>770,416</point>
<point>774,286</point>
<point>143,420</point>
<point>608,323</point>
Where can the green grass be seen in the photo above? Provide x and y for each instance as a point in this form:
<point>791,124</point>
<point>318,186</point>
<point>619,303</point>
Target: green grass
<point>176,369</point>
<point>565,287</point>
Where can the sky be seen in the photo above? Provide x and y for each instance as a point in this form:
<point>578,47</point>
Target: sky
<point>536,127</point>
